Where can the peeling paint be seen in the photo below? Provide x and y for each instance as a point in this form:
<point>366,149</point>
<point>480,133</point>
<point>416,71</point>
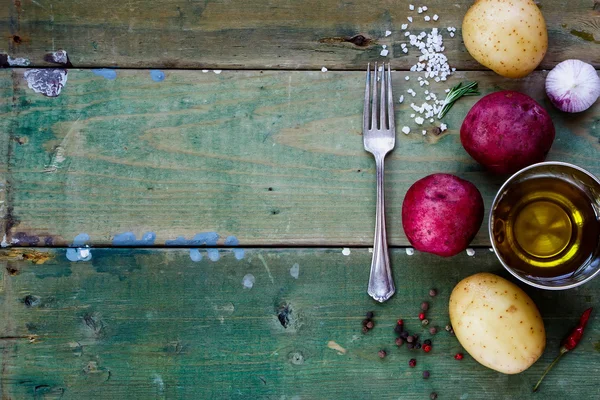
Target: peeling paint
<point>17,61</point>
<point>58,57</point>
<point>129,239</point>
<point>334,346</point>
<point>48,82</point>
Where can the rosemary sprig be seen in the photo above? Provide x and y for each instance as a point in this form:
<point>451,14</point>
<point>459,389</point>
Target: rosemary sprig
<point>458,91</point>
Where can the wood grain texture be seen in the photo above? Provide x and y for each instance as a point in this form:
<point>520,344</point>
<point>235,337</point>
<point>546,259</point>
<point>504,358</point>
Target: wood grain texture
<point>145,324</point>
<point>6,127</point>
<point>274,158</point>
<point>256,34</point>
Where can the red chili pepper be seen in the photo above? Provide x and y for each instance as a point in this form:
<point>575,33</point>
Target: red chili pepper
<point>459,356</point>
<point>421,316</point>
<point>427,348</point>
<point>569,343</point>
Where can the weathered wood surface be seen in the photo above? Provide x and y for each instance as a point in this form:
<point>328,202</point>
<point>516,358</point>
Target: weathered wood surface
<point>256,34</point>
<point>274,158</point>
<point>142,324</point>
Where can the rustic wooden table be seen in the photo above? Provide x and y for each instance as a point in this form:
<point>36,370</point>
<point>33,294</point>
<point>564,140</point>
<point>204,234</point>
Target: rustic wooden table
<point>164,168</point>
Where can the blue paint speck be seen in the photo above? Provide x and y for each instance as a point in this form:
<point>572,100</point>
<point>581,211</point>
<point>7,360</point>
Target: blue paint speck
<point>107,73</point>
<point>129,239</point>
<point>213,254</point>
<point>200,239</point>
<point>157,75</point>
<point>195,255</point>
<point>233,241</point>
<point>77,252</point>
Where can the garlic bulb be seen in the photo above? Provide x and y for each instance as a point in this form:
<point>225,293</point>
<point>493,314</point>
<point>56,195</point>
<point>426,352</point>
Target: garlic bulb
<point>573,86</point>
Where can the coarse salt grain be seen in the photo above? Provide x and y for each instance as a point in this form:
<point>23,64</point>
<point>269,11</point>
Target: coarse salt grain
<point>470,252</point>
<point>420,10</point>
<point>407,34</point>
<point>435,17</point>
<point>427,18</point>
<point>405,50</point>
<point>406,77</point>
<point>451,34</point>
<point>388,33</point>
<point>443,127</point>
<point>411,7</point>
<point>419,120</point>
<point>424,8</point>
<point>412,115</point>
<point>405,130</point>
<point>384,52</point>
<point>409,19</point>
<point>323,69</point>
<point>401,99</point>
<point>404,26</point>
<point>424,132</point>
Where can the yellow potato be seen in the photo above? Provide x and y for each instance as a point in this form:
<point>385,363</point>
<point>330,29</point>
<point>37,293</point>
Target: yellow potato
<point>507,36</point>
<point>497,323</point>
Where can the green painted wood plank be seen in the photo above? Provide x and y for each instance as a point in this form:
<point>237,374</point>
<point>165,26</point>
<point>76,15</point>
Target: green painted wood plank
<point>274,158</point>
<point>141,324</point>
<point>259,34</point>
<point>7,124</point>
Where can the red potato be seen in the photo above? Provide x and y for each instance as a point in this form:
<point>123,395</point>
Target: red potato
<point>441,214</point>
<point>506,131</point>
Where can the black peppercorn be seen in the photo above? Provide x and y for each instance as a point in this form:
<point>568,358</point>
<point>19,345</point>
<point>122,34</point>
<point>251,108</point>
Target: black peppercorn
<point>426,374</point>
<point>416,337</point>
<point>398,329</point>
<point>399,341</point>
<point>410,346</point>
<point>382,354</point>
<point>410,339</point>
<point>433,396</point>
<point>432,292</point>
<point>412,363</point>
<point>370,315</point>
<point>418,346</point>
<point>365,322</point>
<point>427,342</point>
<point>404,335</point>
<point>424,306</point>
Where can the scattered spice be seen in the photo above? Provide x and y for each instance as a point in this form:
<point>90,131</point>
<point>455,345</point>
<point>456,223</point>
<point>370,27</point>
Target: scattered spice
<point>432,292</point>
<point>570,342</point>
<point>418,346</point>
<point>448,328</point>
<point>370,325</point>
<point>459,356</point>
<point>425,322</point>
<point>412,363</point>
<point>433,330</point>
<point>427,342</point>
<point>421,316</point>
<point>427,348</point>
<point>399,329</point>
<point>400,322</point>
<point>410,346</point>
<point>410,339</point>
<point>399,341</point>
<point>433,396</point>
<point>370,314</point>
<point>424,306</point>
<point>382,354</point>
<point>426,374</point>
<point>404,335</point>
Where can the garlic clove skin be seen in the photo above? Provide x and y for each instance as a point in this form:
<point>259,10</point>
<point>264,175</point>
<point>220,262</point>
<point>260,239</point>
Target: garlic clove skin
<point>573,86</point>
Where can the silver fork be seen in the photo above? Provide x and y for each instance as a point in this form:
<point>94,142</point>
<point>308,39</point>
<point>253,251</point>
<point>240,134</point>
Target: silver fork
<point>379,136</point>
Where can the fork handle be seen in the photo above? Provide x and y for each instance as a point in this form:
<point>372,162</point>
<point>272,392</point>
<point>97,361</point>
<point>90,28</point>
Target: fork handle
<point>381,284</point>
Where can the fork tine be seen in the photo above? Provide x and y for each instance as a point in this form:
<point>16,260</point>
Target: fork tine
<point>390,100</point>
<point>374,100</point>
<point>382,100</point>
<point>366,117</point>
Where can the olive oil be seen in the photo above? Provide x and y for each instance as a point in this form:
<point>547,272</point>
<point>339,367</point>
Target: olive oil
<point>546,227</point>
